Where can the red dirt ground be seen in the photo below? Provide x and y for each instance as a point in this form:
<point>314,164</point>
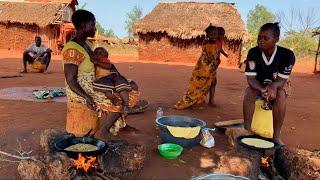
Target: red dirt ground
<point>162,85</point>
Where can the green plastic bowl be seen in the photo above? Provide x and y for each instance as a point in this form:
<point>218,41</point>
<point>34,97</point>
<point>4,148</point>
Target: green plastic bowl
<point>169,150</point>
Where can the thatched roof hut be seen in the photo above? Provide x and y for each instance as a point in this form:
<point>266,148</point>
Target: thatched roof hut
<point>40,14</point>
<point>21,21</point>
<point>186,21</point>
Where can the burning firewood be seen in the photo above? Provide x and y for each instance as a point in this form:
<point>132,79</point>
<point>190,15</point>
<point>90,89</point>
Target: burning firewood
<point>120,158</point>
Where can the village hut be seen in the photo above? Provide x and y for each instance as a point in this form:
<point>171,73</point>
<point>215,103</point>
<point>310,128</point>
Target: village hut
<point>21,21</point>
<point>175,31</point>
<point>98,40</point>
<point>317,33</point>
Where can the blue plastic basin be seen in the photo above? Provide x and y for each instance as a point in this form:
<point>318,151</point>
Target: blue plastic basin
<point>179,121</point>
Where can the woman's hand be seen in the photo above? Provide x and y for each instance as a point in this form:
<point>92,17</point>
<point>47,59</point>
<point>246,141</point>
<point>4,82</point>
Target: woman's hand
<point>91,104</point>
<point>71,73</point>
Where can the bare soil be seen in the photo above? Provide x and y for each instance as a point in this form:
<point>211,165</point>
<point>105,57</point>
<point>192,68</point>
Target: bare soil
<point>162,84</point>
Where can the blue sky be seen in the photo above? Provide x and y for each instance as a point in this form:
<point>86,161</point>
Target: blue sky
<point>112,13</point>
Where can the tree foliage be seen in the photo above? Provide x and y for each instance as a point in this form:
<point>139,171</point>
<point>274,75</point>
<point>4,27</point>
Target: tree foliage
<point>300,41</point>
<point>105,32</point>
<point>255,19</point>
<point>298,25</point>
<point>132,17</point>
<point>109,33</point>
<point>99,28</point>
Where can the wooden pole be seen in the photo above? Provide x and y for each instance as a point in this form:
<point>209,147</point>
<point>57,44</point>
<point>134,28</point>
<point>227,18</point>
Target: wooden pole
<point>317,54</point>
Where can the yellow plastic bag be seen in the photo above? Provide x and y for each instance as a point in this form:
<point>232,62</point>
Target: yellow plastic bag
<point>37,67</point>
<point>262,121</point>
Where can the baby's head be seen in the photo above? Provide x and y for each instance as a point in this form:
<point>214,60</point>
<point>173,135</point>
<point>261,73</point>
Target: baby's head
<point>101,53</point>
<point>221,33</point>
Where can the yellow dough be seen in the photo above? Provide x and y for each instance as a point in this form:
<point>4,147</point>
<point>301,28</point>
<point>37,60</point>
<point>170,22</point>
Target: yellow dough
<point>184,132</point>
<point>258,143</point>
<point>81,147</point>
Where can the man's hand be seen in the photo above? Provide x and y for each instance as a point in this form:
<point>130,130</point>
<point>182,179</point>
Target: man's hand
<point>272,91</point>
<point>264,93</point>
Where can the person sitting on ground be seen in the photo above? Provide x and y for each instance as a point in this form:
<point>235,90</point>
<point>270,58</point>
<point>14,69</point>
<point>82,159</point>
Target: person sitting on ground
<point>268,68</point>
<point>37,54</point>
<point>110,81</point>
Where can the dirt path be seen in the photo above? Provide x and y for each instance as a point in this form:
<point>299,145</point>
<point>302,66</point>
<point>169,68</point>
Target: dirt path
<point>161,85</point>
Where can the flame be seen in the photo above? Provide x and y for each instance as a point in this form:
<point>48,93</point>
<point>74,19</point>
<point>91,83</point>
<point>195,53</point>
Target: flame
<point>85,163</point>
<point>265,161</point>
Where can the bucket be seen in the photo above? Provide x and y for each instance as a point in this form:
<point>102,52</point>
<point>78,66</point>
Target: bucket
<point>179,121</point>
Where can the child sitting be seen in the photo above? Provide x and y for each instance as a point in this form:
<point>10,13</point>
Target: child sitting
<point>110,81</point>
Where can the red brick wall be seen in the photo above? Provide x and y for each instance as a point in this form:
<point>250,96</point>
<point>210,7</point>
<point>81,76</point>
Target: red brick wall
<point>166,49</point>
<point>14,37</point>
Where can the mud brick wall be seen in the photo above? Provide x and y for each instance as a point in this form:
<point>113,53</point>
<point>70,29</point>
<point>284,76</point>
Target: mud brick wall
<point>16,37</point>
<point>163,49</point>
<point>233,49</point>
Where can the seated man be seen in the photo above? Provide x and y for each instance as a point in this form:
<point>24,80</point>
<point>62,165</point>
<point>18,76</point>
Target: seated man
<point>268,68</point>
<point>36,52</point>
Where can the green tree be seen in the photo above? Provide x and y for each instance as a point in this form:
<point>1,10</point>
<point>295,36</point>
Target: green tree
<point>298,25</point>
<point>99,28</point>
<point>255,19</point>
<point>132,18</point>
<point>300,41</point>
<point>109,33</point>
<point>82,6</point>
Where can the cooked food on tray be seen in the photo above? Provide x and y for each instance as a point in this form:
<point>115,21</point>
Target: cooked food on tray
<point>258,143</point>
<point>82,147</point>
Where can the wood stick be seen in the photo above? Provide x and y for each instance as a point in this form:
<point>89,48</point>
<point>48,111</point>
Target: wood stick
<point>105,176</point>
<point>7,160</point>
<point>14,156</point>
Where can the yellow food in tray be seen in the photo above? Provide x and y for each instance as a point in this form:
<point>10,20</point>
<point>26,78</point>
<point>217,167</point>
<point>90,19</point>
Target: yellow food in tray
<point>258,143</point>
<point>82,147</point>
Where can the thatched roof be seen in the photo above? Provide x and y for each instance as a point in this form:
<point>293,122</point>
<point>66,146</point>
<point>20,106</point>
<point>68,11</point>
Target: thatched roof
<point>40,14</point>
<point>56,1</point>
<point>187,20</point>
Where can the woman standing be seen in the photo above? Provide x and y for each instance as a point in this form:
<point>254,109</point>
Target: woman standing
<point>80,73</point>
<point>204,72</point>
